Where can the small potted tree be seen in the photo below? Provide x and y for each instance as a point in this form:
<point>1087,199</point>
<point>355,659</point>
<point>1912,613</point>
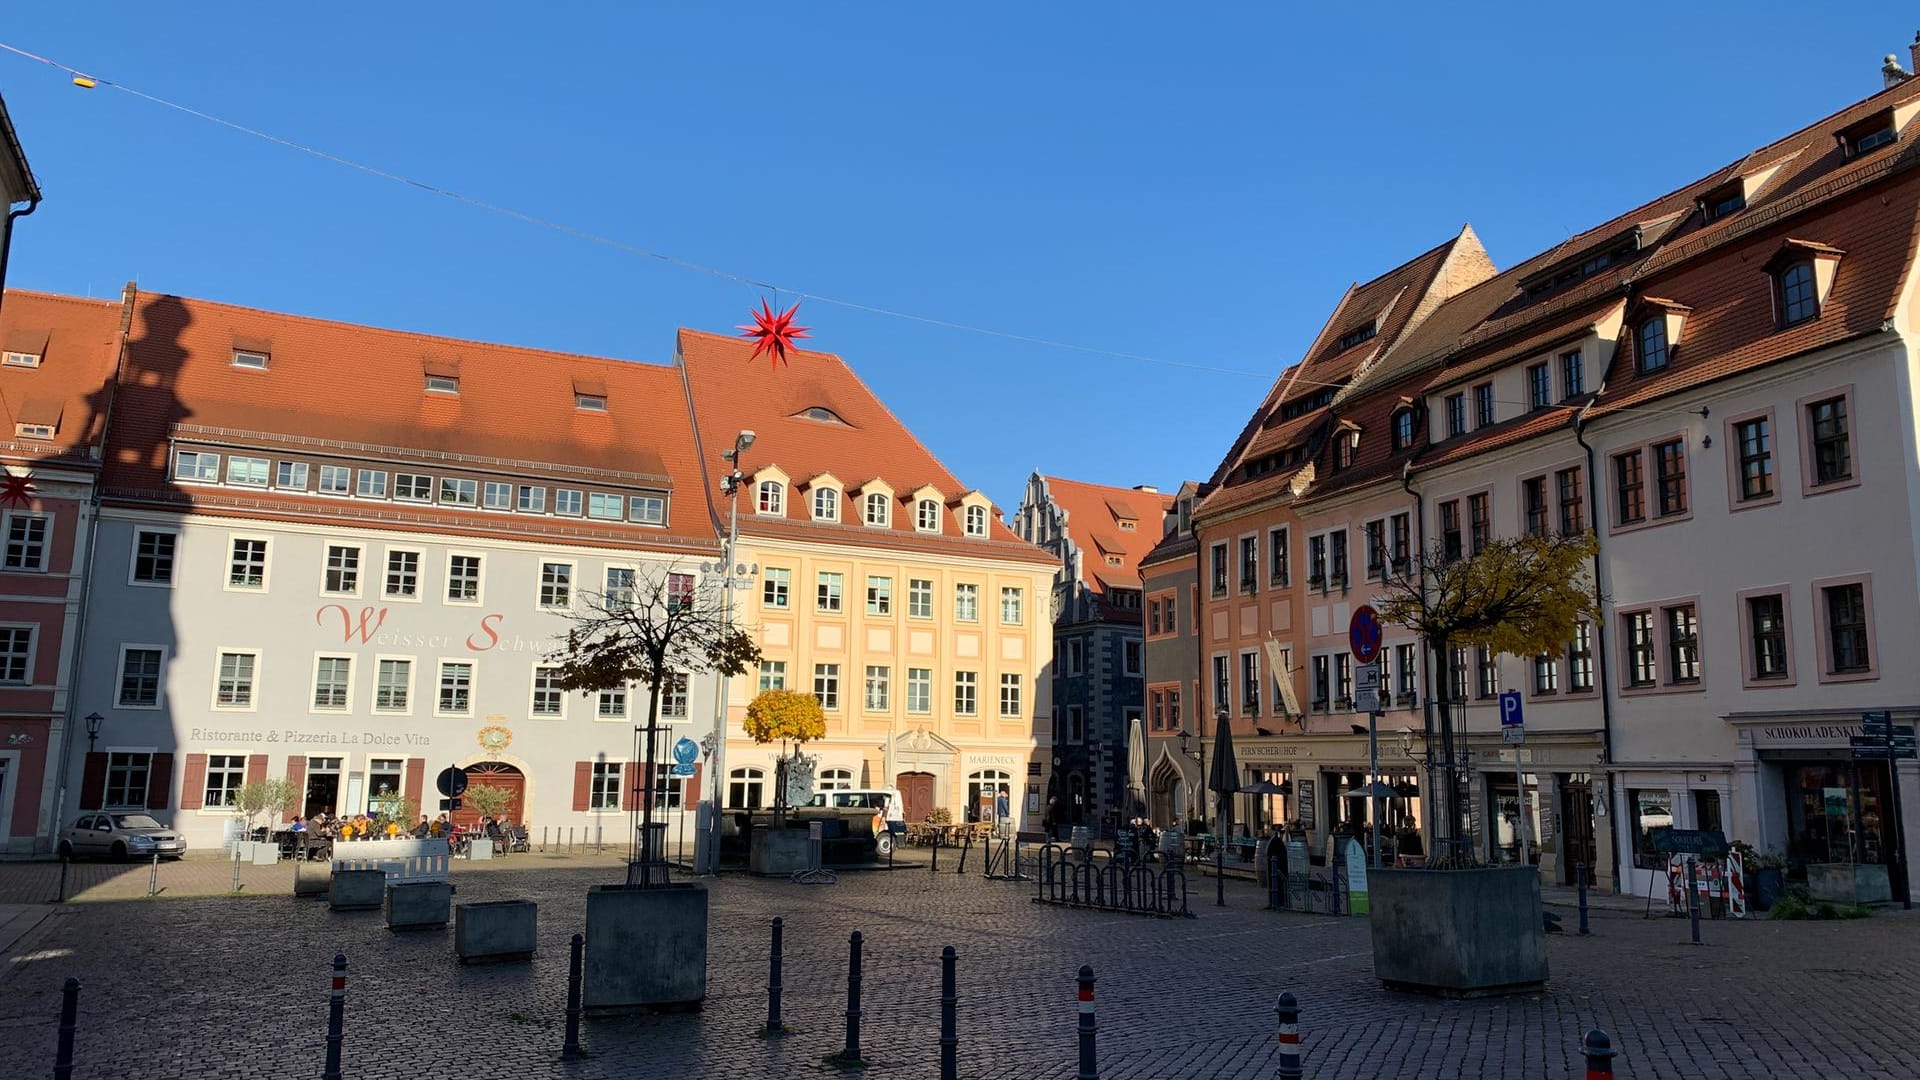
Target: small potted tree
<point>782,716</point>
<point>272,799</point>
<point>487,801</point>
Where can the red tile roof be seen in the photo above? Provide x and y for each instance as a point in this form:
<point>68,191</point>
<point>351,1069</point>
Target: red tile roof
<point>332,388</point>
<point>1094,516</point>
<point>78,342</point>
<point>729,392</point>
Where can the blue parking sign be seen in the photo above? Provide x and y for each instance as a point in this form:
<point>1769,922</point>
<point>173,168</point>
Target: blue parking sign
<point>1510,709</point>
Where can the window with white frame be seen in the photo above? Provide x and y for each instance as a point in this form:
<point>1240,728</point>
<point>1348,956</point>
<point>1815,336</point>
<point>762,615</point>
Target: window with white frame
<point>153,553</point>
<point>669,791</point>
<point>776,587</point>
<point>1580,659</point>
<point>291,475</point>
<point>556,585</point>
<point>1011,601</point>
<point>463,579</point>
<point>673,696</point>
<point>567,502</point>
<point>342,576</point>
<point>127,773</point>
<point>878,688</point>
<point>497,495</point>
<point>403,575</point>
<point>16,654</point>
<point>679,592</point>
<point>1279,565</point>
<point>139,677</point>
<point>879,512</point>
<point>835,780</point>
<point>456,688</point>
<point>976,521</point>
<point>413,487</point>
<point>385,782</point>
<point>746,789</point>
<point>773,675</point>
<point>1546,674</point>
<point>647,509</point>
<point>247,569</point>
<point>247,471</point>
<point>1322,666</point>
<point>919,690</point>
<point>233,683</point>
<point>611,704</point>
<point>1250,683</point>
<point>604,791</point>
<point>966,602</point>
<point>196,465</point>
<point>828,589</point>
<point>331,681</point>
<point>927,515</point>
<point>1010,704</point>
<point>26,542</point>
<point>826,504</point>
<point>826,685</point>
<point>879,595</point>
<point>772,498</point>
<point>620,591</point>
<point>966,693</point>
<point>920,598</point>
<point>393,685</point>
<point>225,774</point>
<point>606,505</point>
<point>530,499</point>
<point>548,698</point>
<point>371,484</point>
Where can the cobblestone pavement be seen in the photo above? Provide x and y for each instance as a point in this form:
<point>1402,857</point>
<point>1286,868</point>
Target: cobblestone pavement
<point>219,986</point>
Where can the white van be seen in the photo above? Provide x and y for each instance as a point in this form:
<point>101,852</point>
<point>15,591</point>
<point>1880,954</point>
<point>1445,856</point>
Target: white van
<point>886,800</point>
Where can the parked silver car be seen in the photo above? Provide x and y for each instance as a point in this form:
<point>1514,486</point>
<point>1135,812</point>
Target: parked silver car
<point>121,836</point>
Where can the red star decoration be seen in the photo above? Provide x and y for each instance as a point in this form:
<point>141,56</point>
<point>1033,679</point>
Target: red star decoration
<point>17,490</point>
<point>773,334</point>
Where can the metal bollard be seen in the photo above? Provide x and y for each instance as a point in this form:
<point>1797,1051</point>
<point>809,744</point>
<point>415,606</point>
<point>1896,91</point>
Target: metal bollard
<point>69,1019</point>
<point>61,896</point>
<point>1583,900</point>
<point>543,839</point>
<point>1693,900</point>
<point>153,876</point>
<point>1599,1052</point>
<point>949,1018</point>
<point>236,868</point>
<point>1288,1011</point>
<point>575,963</point>
<point>1089,1068</point>
<point>774,1026</point>
<point>966,847</point>
<point>851,1052</point>
<point>336,1017</point>
<point>569,839</point>
<point>936,854</point>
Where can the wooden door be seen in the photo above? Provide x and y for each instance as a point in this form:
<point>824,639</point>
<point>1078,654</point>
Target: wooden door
<point>917,789</point>
<point>495,774</point>
<point>1576,831</point>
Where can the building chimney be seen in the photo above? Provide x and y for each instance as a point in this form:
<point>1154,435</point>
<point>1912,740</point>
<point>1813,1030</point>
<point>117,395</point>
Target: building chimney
<point>1892,73</point>
<point>1148,489</point>
<point>1913,50</point>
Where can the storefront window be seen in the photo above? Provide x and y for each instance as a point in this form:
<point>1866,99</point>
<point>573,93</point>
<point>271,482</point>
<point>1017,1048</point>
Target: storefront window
<point>1513,817</point>
<point>1649,810</point>
<point>1832,822</point>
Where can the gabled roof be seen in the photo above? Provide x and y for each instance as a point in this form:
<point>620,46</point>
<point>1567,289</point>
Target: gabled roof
<point>16,177</point>
<point>1094,513</point>
<point>78,342</point>
<point>729,391</point>
<point>337,389</point>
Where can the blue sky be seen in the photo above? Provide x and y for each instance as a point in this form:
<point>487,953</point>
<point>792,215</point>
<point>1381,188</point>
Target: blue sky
<point>1197,183</point>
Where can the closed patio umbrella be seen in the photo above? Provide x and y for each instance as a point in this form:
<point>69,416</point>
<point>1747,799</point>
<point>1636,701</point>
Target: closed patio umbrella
<point>1137,770</point>
<point>1224,781</point>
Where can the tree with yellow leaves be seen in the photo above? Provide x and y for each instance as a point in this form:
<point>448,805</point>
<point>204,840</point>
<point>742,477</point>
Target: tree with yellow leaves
<point>1522,596</point>
<point>784,716</point>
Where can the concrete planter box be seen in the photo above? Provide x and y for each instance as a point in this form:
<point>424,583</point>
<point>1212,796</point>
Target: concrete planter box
<point>480,849</point>
<point>357,890</point>
<point>496,930</point>
<point>646,948</point>
<point>419,905</point>
<point>1849,883</point>
<point>778,852</point>
<point>1458,933</point>
<point>310,882</point>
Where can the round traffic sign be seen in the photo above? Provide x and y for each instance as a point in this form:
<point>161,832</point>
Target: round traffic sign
<point>1363,634</point>
<point>451,782</point>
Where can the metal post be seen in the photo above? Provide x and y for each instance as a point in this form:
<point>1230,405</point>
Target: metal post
<point>851,1052</point>
<point>1089,1066</point>
<point>774,1026</point>
<point>1583,900</point>
<point>936,854</point>
<point>543,839</point>
<point>336,1017</point>
<point>729,562</point>
<point>69,1019</point>
<point>1899,826</point>
<point>60,897</point>
<point>1373,779</point>
<point>1519,806</point>
<point>1599,1053</point>
<point>575,962</point>
<point>153,876</point>
<point>1288,1012</point>
<point>1693,899</point>
<point>949,1018</point>
<point>236,868</point>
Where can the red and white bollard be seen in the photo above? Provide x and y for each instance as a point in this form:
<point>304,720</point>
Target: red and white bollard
<point>1289,1015</point>
<point>1599,1052</point>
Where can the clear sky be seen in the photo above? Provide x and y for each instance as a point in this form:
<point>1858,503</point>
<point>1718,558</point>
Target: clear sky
<point>1193,182</point>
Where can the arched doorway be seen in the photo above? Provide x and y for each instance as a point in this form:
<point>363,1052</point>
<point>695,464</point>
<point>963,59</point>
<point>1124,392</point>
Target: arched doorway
<point>1166,781</point>
<point>495,774</point>
<point>916,789</point>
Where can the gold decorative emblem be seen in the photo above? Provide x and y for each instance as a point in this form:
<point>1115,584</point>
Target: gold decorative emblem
<point>495,738</point>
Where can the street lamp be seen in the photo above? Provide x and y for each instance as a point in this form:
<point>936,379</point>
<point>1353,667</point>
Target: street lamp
<point>730,487</point>
<point>93,729</point>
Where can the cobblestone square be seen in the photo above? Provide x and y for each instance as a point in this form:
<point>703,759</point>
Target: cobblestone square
<point>199,983</point>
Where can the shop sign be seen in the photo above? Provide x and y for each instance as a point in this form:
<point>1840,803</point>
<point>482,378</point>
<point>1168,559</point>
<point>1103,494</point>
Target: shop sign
<point>1304,802</point>
<point>292,737</point>
<point>996,759</point>
<point>1265,750</point>
<point>1827,735</point>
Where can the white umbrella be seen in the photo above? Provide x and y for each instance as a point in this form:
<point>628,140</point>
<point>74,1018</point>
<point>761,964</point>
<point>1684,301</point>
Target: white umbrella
<point>1137,767</point>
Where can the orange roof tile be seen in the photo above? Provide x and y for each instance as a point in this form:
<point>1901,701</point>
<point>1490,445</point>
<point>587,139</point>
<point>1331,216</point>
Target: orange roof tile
<point>78,342</point>
<point>730,392</point>
<point>1093,516</point>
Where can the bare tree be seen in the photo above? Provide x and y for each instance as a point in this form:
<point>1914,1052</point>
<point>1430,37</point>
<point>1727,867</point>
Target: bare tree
<point>654,626</point>
<point>1522,596</point>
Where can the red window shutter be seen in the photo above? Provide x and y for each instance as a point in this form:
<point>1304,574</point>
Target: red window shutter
<point>256,768</point>
<point>160,782</point>
<point>93,781</point>
<point>193,784</point>
<point>582,785</point>
<point>692,797</point>
<point>297,776</point>
<point>416,780</point>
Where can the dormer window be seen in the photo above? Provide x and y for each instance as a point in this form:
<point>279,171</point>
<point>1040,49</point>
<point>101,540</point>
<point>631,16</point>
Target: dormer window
<point>21,359</point>
<point>976,521</point>
<point>772,498</point>
<point>1724,203</point>
<point>1355,336</point>
<point>826,504</point>
<point>1796,294</point>
<point>1346,449</point>
<point>1650,345</point>
<point>821,414</point>
<point>1402,427</point>
<point>33,431</point>
<point>590,402</point>
<point>879,511</point>
<point>247,358</point>
<point>1802,273</point>
<point>926,515</point>
<point>443,384</point>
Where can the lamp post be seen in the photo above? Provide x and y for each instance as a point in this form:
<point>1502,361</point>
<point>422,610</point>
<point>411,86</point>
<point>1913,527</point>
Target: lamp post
<point>93,729</point>
<point>1200,764</point>
<point>729,486</point>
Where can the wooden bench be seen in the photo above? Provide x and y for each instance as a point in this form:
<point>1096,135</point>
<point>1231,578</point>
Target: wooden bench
<point>404,861</point>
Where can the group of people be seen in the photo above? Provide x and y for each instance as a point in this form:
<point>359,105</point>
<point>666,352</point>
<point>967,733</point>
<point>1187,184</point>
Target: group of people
<point>380,826</point>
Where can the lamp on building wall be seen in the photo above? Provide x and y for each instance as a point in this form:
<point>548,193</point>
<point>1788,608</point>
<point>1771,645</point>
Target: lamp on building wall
<point>93,729</point>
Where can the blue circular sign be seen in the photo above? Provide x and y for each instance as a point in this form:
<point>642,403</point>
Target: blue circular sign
<point>685,751</point>
<point>1363,634</point>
